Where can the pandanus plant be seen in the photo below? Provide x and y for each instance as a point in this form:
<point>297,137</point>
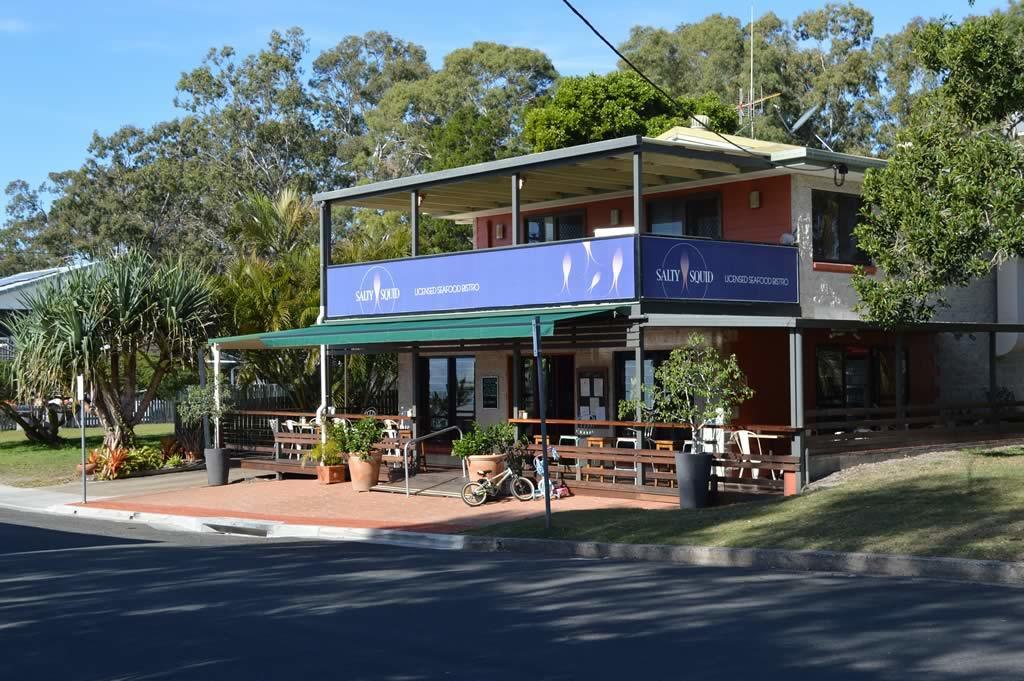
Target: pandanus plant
<point>104,321</point>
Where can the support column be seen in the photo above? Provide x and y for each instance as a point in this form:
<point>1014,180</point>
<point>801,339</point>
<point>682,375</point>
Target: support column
<point>993,384</point>
<point>202,383</point>
<point>517,373</point>
<point>325,389</point>
<point>414,356</point>
<point>635,339</point>
<point>638,192</point>
<point>216,394</point>
<point>796,401</point>
<point>325,254</point>
<point>414,218</point>
<point>901,380</point>
<point>515,209</point>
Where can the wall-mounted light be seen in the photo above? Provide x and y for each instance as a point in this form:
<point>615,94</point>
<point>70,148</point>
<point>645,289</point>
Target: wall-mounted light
<point>754,199</point>
<point>614,216</point>
<point>522,182</point>
<point>499,231</point>
<point>419,199</point>
<point>839,171</point>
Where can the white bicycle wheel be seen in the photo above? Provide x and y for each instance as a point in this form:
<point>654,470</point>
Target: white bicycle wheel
<point>522,489</point>
<point>474,494</point>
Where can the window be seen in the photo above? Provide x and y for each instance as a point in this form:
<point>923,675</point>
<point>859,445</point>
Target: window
<point>854,376</point>
<point>625,375</point>
<point>833,218</point>
<point>699,215</point>
<point>542,228</point>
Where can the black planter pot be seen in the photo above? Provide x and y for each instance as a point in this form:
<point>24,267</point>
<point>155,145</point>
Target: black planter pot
<point>217,463</point>
<point>693,471</point>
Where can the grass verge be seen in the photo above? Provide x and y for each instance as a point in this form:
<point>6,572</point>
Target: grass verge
<point>25,464</point>
<point>965,504</point>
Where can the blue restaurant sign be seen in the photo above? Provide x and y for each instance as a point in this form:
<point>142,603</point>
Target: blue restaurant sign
<point>558,273</point>
<point>720,271</point>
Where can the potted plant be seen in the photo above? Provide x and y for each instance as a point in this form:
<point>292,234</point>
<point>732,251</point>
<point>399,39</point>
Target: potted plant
<point>480,448</point>
<point>696,386</point>
<point>198,402</point>
<point>330,462</point>
<point>360,441</point>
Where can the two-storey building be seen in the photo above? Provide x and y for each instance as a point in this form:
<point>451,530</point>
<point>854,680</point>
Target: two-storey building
<point>621,249</point>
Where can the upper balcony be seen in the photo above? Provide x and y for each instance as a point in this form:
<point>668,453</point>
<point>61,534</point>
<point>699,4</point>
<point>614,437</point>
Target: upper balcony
<point>600,260</point>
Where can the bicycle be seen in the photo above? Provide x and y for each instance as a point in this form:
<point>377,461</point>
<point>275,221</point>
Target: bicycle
<point>477,492</point>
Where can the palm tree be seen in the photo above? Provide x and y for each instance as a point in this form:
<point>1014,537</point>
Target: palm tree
<point>102,322</point>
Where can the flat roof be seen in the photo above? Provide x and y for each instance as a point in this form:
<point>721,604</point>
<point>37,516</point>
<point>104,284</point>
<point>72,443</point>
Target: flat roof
<point>679,156</point>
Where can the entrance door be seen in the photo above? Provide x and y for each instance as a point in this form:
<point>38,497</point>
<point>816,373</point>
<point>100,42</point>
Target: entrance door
<point>447,393</point>
<point>559,391</point>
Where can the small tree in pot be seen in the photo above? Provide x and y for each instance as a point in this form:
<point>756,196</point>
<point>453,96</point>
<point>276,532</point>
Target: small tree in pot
<point>198,402</point>
<point>482,449</point>
<point>360,441</point>
<point>697,386</point>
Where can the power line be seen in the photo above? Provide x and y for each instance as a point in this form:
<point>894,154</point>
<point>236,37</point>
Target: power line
<point>650,82</point>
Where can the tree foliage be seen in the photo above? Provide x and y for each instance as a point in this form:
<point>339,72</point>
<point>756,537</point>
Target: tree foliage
<point>593,108</point>
<point>948,206</point>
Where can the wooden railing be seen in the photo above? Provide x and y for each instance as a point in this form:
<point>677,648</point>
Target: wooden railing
<point>845,430</point>
<point>652,470</point>
<point>248,430</point>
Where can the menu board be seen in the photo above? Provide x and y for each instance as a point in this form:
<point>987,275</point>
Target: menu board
<point>489,391</point>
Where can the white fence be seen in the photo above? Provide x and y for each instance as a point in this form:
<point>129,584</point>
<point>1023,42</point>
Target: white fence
<point>158,411</point>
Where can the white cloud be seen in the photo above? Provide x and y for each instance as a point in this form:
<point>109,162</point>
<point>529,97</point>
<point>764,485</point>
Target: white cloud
<point>13,26</point>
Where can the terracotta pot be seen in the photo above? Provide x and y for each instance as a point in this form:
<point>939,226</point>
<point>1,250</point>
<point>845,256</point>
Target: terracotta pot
<point>329,475</point>
<point>485,465</point>
<point>363,473</point>
<point>89,468</point>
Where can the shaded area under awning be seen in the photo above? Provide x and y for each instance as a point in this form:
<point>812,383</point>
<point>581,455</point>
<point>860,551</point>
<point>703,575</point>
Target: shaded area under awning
<point>470,326</point>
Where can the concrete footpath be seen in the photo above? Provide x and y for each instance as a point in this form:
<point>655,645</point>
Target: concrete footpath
<point>978,571</point>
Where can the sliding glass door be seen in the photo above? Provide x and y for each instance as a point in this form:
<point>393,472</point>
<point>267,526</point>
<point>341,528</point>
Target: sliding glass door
<point>448,392</point>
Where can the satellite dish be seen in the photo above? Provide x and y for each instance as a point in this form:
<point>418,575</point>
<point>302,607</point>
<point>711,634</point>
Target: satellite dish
<point>800,122</point>
<point>804,118</point>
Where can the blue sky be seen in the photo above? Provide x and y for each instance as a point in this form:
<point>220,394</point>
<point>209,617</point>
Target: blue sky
<point>70,68</point>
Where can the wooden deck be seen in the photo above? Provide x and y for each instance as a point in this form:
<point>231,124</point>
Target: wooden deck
<point>444,483</point>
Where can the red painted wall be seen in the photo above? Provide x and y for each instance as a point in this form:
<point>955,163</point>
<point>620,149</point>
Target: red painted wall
<point>740,222</point>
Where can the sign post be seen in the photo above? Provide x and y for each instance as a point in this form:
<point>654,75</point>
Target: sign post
<point>81,424</point>
<point>539,370</point>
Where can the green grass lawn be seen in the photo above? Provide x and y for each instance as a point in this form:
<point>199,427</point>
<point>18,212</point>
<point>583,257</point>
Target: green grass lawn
<point>25,464</point>
<point>967,504</point>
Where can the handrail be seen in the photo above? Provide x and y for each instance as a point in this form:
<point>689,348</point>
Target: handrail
<point>421,438</point>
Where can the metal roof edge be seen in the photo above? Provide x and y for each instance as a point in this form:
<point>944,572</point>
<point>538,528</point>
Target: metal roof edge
<point>500,166</point>
<point>811,155</point>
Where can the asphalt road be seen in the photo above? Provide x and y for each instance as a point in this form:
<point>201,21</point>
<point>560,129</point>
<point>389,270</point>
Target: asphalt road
<point>90,601</point>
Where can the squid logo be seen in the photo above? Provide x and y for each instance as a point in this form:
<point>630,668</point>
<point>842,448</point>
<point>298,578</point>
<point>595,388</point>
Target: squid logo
<point>377,291</point>
<point>684,273</point>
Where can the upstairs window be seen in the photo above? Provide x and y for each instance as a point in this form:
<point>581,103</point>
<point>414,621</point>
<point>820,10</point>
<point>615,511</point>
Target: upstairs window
<point>540,228</point>
<point>833,219</point>
<point>699,215</point>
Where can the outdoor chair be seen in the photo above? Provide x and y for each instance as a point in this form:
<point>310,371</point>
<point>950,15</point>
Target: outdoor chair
<point>741,440</point>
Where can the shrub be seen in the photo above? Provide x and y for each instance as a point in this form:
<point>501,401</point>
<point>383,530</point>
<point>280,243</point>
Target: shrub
<point>326,453</point>
<point>169,447</point>
<point>112,463</point>
<point>174,461</point>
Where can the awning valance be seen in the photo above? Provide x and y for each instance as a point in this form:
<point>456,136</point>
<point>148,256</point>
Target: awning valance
<point>470,326</point>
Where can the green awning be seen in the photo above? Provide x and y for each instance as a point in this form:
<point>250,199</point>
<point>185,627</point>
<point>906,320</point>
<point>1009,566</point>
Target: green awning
<point>467,326</point>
